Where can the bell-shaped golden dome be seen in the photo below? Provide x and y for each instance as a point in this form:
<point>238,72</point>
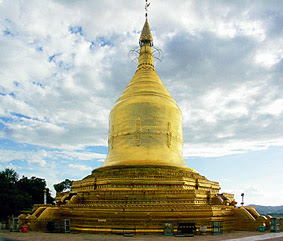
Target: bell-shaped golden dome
<point>145,126</point>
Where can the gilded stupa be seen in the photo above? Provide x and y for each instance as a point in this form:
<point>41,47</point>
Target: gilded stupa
<point>144,182</point>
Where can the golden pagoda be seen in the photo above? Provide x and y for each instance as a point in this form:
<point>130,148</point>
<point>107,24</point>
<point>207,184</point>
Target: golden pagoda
<point>145,185</point>
<point>145,123</point>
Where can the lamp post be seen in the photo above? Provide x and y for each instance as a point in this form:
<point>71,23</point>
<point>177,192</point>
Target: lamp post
<point>45,196</point>
<point>242,198</point>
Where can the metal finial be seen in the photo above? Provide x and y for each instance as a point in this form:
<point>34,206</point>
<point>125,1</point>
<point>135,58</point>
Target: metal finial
<point>146,7</point>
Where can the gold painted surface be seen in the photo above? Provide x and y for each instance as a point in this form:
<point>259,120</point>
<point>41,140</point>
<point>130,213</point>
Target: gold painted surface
<point>145,181</point>
<point>145,126</point>
<point>146,34</point>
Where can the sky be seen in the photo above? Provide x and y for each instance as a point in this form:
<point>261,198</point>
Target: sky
<point>64,63</point>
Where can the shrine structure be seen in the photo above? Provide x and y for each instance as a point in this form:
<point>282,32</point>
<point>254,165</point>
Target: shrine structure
<point>145,185</point>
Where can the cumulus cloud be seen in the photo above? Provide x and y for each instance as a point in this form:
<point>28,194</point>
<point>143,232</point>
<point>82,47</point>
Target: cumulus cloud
<point>54,155</point>
<point>80,167</point>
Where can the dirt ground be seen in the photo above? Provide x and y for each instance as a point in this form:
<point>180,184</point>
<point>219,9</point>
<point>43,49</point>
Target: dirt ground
<point>40,236</point>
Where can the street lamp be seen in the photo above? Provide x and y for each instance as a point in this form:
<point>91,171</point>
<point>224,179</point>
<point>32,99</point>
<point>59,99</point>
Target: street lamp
<point>242,198</point>
<point>45,196</point>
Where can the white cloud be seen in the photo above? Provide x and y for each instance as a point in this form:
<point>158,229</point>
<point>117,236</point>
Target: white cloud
<point>80,167</point>
<point>31,157</point>
<point>80,155</point>
<point>274,107</point>
<point>7,155</point>
<point>42,157</point>
<point>260,193</point>
<point>269,53</point>
<point>229,147</point>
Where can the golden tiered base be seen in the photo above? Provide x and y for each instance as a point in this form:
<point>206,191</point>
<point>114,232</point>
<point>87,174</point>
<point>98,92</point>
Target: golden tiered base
<point>142,199</point>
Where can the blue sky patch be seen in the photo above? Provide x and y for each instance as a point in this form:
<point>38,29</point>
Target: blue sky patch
<point>2,126</point>
<point>67,66</point>
<point>6,119</point>
<point>97,149</point>
<point>61,63</point>
<point>38,84</point>
<point>76,30</point>
<point>39,49</point>
<point>20,115</point>
<point>8,32</point>
<point>8,144</point>
<point>238,166</point>
<point>52,57</point>
<point>10,28</point>
<point>92,45</point>
<point>100,41</point>
<point>19,162</point>
<point>104,42</point>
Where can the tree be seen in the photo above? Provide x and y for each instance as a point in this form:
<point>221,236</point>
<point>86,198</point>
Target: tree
<point>12,199</point>
<point>10,175</point>
<point>20,194</point>
<point>62,186</point>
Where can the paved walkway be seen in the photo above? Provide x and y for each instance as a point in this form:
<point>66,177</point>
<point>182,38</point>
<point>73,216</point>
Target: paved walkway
<point>270,236</point>
<point>41,236</point>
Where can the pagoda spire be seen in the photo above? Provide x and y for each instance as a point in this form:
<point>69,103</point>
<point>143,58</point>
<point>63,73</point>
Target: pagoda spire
<point>145,125</point>
<point>146,37</point>
<point>146,42</point>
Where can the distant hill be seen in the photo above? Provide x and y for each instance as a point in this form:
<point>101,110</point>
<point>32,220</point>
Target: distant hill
<point>264,210</point>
